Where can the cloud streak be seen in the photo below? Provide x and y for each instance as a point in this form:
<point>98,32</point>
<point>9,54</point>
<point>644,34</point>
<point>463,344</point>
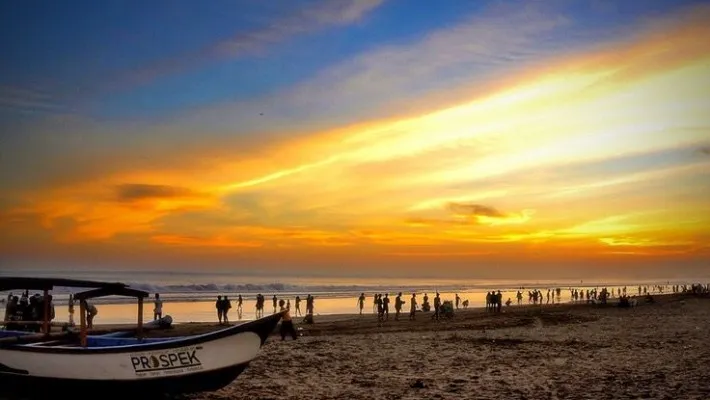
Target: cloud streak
<point>136,191</point>
<point>285,25</point>
<point>475,210</point>
<point>462,214</point>
<point>27,101</point>
<point>474,52</point>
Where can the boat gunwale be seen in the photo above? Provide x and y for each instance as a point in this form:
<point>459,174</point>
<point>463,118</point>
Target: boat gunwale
<point>259,326</point>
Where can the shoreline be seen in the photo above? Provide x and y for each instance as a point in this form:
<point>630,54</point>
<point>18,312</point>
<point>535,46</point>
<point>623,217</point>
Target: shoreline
<point>346,292</point>
<point>468,318</point>
<point>204,311</point>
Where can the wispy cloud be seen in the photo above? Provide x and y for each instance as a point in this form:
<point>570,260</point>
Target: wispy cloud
<point>271,25</point>
<point>504,47</point>
<point>27,100</point>
<point>471,53</point>
<point>137,191</point>
<point>280,26</point>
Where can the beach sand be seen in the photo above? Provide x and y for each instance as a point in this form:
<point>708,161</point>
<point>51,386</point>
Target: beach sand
<point>655,351</point>
<point>660,350</point>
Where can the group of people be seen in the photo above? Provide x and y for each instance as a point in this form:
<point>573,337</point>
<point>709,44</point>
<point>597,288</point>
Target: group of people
<point>24,313</point>
<point>535,296</point>
<point>381,305</point>
<point>27,313</point>
<point>695,288</point>
<point>224,304</point>
<point>494,301</point>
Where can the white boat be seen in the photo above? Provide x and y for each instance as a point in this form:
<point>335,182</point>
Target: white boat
<point>81,363</point>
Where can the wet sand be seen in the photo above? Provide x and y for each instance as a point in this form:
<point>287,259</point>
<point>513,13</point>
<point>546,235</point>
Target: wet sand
<point>658,351</point>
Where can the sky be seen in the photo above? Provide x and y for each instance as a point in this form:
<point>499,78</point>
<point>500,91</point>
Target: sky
<point>364,138</point>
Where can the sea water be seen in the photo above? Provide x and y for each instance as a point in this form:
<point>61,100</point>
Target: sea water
<point>190,297</point>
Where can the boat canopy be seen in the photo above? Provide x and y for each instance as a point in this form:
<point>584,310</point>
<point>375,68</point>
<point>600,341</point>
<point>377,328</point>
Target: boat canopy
<point>111,291</point>
<point>108,291</point>
<point>19,283</point>
<point>97,289</point>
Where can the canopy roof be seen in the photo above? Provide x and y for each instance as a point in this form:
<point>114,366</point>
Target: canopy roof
<point>111,291</point>
<point>18,283</point>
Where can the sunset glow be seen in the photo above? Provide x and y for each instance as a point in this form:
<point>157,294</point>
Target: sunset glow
<point>596,152</point>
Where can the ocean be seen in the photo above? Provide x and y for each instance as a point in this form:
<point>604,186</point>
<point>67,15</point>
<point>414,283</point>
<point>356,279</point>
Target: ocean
<point>190,296</point>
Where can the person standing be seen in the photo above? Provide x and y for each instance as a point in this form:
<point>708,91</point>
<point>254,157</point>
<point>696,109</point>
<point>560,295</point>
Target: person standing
<point>386,307</point>
<point>309,305</point>
<point>397,306</point>
<point>71,309</point>
<point>220,310</point>
<point>262,304</point>
<point>437,307</point>
<point>286,322</point>
<point>226,306</point>
<point>380,309</point>
<point>240,302</point>
<point>158,307</point>
<point>361,302</point>
<point>298,306</point>
<point>413,307</point>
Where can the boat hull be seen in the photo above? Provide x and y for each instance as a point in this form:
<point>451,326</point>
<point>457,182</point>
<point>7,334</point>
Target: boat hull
<point>27,385</point>
<point>191,364</point>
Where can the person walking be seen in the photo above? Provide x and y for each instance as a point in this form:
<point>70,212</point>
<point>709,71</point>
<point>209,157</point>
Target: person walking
<point>413,307</point>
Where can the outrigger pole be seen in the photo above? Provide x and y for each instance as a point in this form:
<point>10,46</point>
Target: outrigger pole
<point>45,325</point>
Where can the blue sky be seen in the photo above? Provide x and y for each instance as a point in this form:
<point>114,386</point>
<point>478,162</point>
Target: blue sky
<point>120,59</point>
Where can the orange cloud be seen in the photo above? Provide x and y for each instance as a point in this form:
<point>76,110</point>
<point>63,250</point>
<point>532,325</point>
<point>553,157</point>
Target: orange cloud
<point>488,215</point>
<point>181,241</point>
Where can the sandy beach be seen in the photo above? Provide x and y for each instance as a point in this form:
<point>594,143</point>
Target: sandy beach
<point>568,351</point>
<point>657,350</point>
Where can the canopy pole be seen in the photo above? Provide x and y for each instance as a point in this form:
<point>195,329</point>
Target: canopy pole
<point>139,333</point>
<point>82,319</point>
<point>45,321</point>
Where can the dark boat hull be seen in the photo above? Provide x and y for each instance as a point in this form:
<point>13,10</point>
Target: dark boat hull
<point>38,387</point>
